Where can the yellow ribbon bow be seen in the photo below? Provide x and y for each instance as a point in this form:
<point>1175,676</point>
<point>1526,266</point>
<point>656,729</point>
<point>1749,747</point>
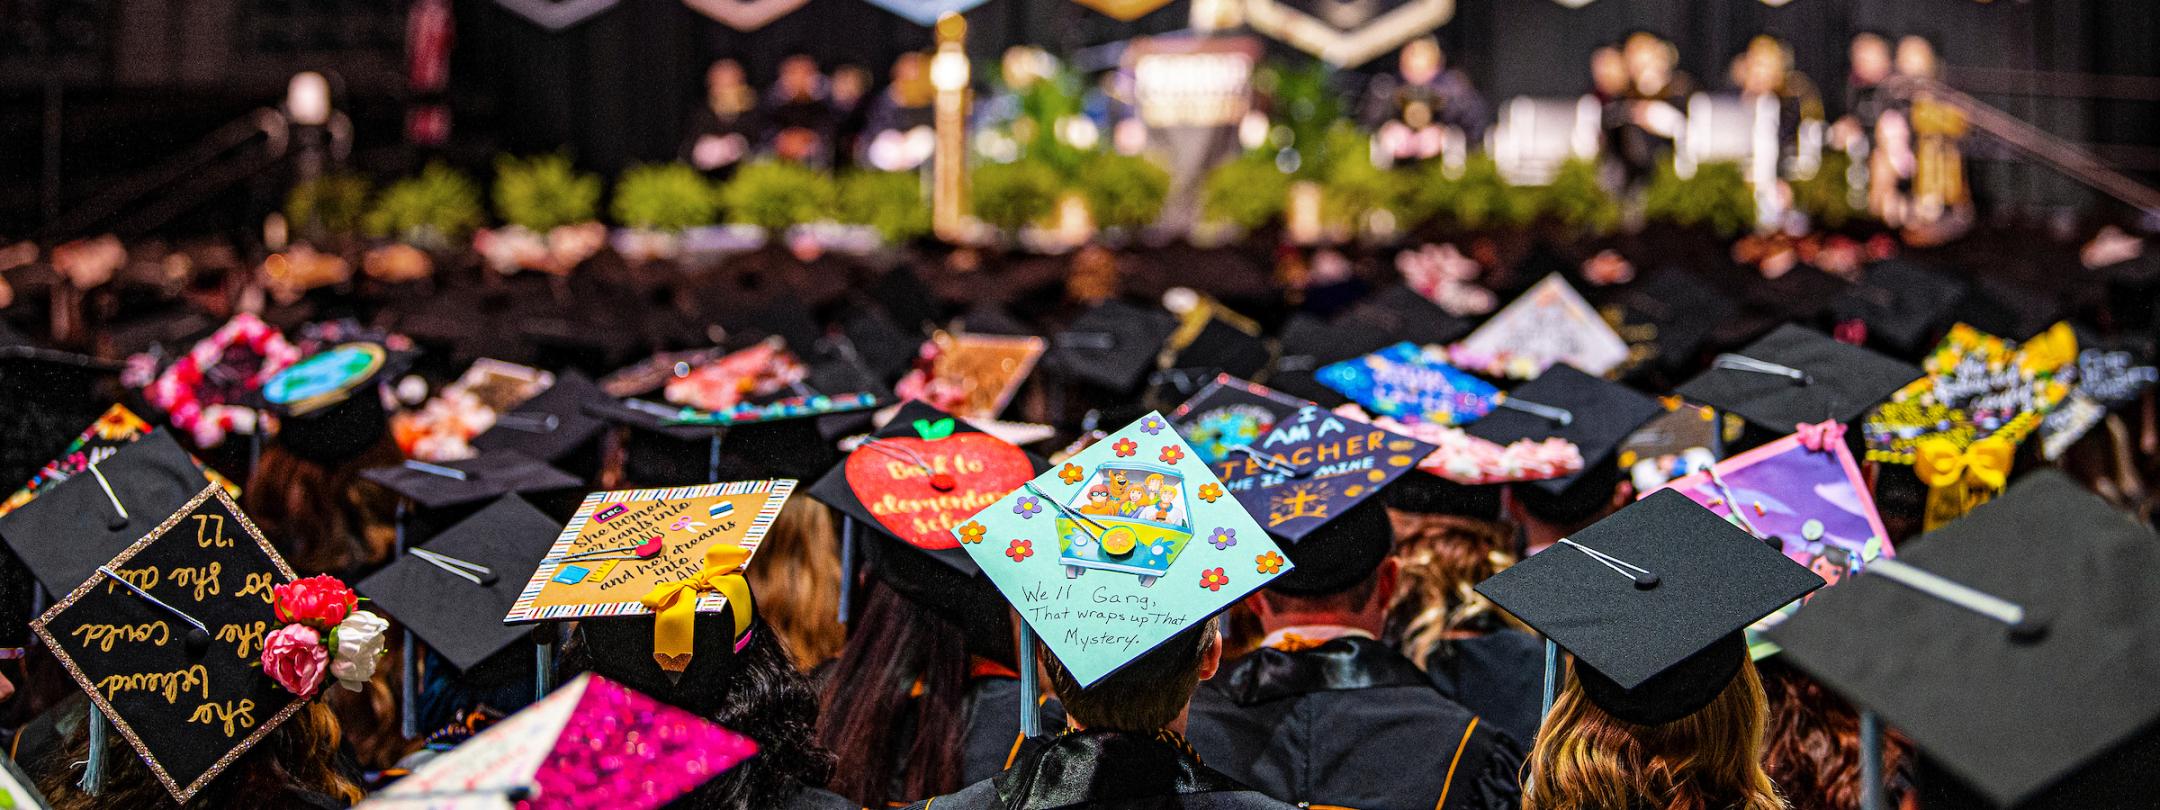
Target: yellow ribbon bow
<point>1959,480</point>
<point>674,604</point>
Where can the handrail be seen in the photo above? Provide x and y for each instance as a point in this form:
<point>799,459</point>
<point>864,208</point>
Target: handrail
<point>194,165</point>
<point>2032,141</point>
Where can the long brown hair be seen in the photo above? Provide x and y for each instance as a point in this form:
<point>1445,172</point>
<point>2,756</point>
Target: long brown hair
<point>302,754</point>
<point>323,518</point>
<point>797,580</point>
<point>905,671</point>
<point>1813,752</point>
<point>1587,759</point>
<point>1442,557</point>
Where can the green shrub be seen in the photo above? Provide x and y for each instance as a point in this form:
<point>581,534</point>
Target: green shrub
<point>331,205</point>
<point>433,209</point>
<point>544,191</point>
<point>1354,187</point>
<point>1577,200</point>
<point>1827,197</point>
<point>775,195</point>
<point>1010,195</point>
<point>1476,198</point>
<point>891,202</point>
<point>1248,192</point>
<point>1716,198</point>
<point>664,197</point>
<point>1123,191</point>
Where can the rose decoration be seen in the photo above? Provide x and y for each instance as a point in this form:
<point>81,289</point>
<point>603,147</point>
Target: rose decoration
<point>295,658</point>
<point>1020,550</point>
<point>1213,579</point>
<point>360,641</point>
<point>1125,448</point>
<point>320,602</point>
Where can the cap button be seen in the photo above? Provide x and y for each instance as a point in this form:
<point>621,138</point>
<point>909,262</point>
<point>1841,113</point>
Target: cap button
<point>1645,581</point>
<point>943,482</point>
<point>115,523</point>
<point>2031,629</point>
<point>197,642</point>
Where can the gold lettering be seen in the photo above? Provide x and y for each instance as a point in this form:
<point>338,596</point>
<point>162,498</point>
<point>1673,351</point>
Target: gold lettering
<point>204,578</point>
<point>102,636</point>
<point>206,537</point>
<point>258,584</point>
<point>247,637</point>
<point>144,578</point>
<point>229,713</point>
<point>171,684</point>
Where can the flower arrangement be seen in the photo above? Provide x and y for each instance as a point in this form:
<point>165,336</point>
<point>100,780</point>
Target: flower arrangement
<point>1715,197</point>
<point>325,636</point>
<point>1466,459</point>
<point>201,403</point>
<point>330,206</point>
<point>1010,195</point>
<point>431,211</point>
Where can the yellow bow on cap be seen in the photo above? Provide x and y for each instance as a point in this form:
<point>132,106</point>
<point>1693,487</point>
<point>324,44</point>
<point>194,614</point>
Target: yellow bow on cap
<point>674,604</point>
<point>1940,463</point>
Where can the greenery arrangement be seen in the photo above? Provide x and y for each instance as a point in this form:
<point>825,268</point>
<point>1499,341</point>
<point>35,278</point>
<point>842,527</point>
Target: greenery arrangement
<point>1577,200</point>
<point>333,205</point>
<point>1247,193</point>
<point>1716,197</point>
<point>1475,196</point>
<point>544,191</point>
<point>434,209</point>
<point>1827,197</point>
<point>1123,191</point>
<point>891,202</point>
<point>1352,188</point>
<point>775,195</point>
<point>664,197</point>
<point>1010,195</point>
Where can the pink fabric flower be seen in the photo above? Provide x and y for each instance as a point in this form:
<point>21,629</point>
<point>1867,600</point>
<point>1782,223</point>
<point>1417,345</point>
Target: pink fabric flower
<point>295,658</point>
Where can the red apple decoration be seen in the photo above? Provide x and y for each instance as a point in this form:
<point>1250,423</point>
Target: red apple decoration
<point>919,487</point>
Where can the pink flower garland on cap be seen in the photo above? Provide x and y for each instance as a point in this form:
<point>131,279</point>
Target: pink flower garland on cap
<point>1466,459</point>
<point>179,391</point>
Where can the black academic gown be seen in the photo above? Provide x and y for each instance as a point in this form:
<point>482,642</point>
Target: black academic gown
<point>1351,723</point>
<point>1499,676</point>
<point>1105,770</point>
<point>993,727</point>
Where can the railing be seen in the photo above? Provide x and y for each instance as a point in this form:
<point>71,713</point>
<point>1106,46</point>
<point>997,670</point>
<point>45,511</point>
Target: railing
<point>232,153</point>
<point>2037,144</point>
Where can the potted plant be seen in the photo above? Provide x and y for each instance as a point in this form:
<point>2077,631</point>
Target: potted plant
<point>1123,192</point>
<point>889,202</point>
<point>777,195</point>
<point>656,203</point>
<point>329,210</point>
<point>1247,193</point>
<point>552,211</point>
<point>423,217</point>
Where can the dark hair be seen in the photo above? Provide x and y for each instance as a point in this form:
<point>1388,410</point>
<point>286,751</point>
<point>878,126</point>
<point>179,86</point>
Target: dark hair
<point>1812,747</point>
<point>322,518</point>
<point>756,692</point>
<point>870,701</point>
<point>298,758</point>
<point>1145,695</point>
<point>1585,499</point>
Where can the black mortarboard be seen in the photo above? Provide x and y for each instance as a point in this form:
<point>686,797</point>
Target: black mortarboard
<point>44,396</point>
<point>486,476</point>
<point>549,426</point>
<point>903,295</point>
<point>1651,602</point>
<point>73,528</point>
<point>879,343</point>
<point>1838,381</point>
<point>2018,705</point>
<point>329,406</point>
<point>1112,345</point>
<point>1422,493</point>
<point>1593,413</point>
<point>1666,317</point>
<point>2004,306</point>
<point>1211,340</point>
<point>1398,313</point>
<point>133,654</point>
<point>432,591</point>
<point>1904,305</point>
<point>1310,344</point>
<point>907,483</point>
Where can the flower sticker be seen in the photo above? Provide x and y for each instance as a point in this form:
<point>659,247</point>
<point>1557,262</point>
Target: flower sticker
<point>1027,507</point>
<point>1071,474</point>
<point>1210,491</point>
<point>1213,579</point>
<point>1125,447</point>
<point>1020,550</point>
<point>1223,539</point>
<point>1151,425</point>
<point>1269,563</point>
<point>1171,454</point>
<point>971,532</point>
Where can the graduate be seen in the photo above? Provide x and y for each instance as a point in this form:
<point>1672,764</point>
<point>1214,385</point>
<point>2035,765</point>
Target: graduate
<point>726,126</point>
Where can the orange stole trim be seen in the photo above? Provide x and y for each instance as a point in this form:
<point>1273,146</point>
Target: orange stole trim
<point>1457,760</point>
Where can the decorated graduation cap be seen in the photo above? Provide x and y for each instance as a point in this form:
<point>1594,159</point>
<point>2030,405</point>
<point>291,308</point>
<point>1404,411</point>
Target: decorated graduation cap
<point>1960,425</point>
<point>973,376</point>
<point>1593,414</point>
<point>1462,475</point>
<point>1550,323</point>
<point>79,524</point>
<point>667,553</point>
<point>1902,305</point>
<point>920,475</point>
<point>481,478</point>
<point>1125,544</point>
<point>1684,439</point>
<point>116,428</point>
<point>1210,339</point>
<point>453,591</point>
<point>167,637</point>
<point>2103,379</point>
<point>210,391</point>
<point>1797,376</point>
<point>771,425</point>
<point>1411,384</point>
<point>1802,495</point>
<point>1230,414</point>
<point>1666,317</point>
<point>17,790</point>
<point>1111,346</point>
<point>591,743</point>
<point>2013,645</point>
<point>1651,601</point>
<point>329,407</point>
<point>550,426</point>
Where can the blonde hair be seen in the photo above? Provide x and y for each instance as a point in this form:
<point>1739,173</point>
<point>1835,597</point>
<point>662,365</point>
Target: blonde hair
<point>1587,759</point>
<point>797,581</point>
<point>1441,558</point>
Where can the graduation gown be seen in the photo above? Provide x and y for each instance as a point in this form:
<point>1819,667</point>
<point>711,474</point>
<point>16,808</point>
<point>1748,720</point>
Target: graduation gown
<point>1351,723</point>
<point>993,726</point>
<point>1498,676</point>
<point>1107,770</point>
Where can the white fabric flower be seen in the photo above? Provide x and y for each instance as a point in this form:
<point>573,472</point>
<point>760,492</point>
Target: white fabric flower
<point>360,640</point>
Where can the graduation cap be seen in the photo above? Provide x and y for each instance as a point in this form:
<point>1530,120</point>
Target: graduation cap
<point>1111,346</point>
<point>1903,305</point>
<point>1550,323</point>
<point>920,475</point>
<point>1795,376</point>
<point>2018,664</point>
<point>481,478</point>
<point>1411,384</point>
<point>549,426</point>
<point>214,387</point>
<point>1210,339</point>
<point>1309,343</point>
<point>1125,544</point>
<point>591,743</point>
<point>1230,414</point>
<point>2103,379</point>
<point>329,406</point>
<point>1400,314</point>
<point>166,637</point>
<point>1666,317</point>
<point>1651,601</point>
<point>1977,387</point>
<point>1565,403</point>
<point>621,546</point>
<point>79,524</point>
<point>973,376</point>
<point>453,591</point>
<point>114,429</point>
